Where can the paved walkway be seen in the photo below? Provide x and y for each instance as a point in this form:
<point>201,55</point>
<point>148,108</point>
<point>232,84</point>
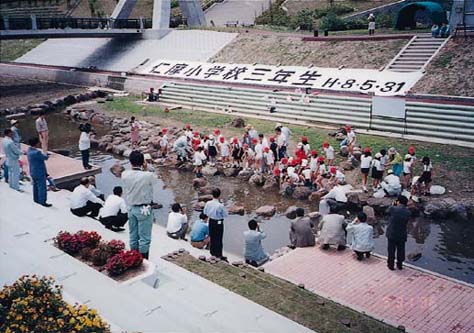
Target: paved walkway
<point>183,302</point>
<point>418,300</point>
<point>243,11</point>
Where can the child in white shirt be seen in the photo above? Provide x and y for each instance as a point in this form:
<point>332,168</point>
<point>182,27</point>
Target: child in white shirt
<point>199,158</point>
<point>329,152</point>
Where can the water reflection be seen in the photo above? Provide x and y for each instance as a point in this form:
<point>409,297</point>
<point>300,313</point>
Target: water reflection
<point>446,246</point>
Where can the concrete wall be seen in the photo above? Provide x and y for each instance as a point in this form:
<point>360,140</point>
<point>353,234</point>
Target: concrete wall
<point>161,14</point>
<point>192,10</point>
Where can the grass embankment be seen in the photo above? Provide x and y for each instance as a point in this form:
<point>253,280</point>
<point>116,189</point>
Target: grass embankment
<point>294,6</point>
<point>13,49</point>
<point>302,306</point>
<point>452,70</point>
<point>452,164</point>
<point>274,50</point>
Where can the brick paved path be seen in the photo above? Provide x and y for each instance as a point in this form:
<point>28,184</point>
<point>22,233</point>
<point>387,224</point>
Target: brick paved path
<point>420,301</point>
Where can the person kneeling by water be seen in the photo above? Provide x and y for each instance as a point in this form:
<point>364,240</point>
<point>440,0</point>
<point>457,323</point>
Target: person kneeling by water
<point>362,236</point>
<point>114,213</point>
<point>254,253</point>
<point>177,223</point>
<point>200,232</point>
<point>84,202</point>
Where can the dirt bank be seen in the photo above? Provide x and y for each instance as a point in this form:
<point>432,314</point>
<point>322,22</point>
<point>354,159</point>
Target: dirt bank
<point>20,92</point>
<point>274,49</point>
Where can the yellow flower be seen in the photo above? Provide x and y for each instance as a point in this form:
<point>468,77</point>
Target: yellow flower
<point>72,321</point>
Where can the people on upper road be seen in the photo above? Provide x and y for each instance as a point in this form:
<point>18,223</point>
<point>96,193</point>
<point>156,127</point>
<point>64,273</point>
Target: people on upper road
<point>253,252</point>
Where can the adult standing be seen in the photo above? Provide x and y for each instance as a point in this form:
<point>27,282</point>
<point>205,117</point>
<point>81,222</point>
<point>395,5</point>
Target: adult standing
<point>16,133</point>
<point>397,232</point>
<point>216,212</point>
<point>371,21</point>
<point>395,161</point>
<point>85,144</point>
<point>138,186</point>
<point>38,173</point>
<point>43,133</point>
<point>281,143</point>
<point>12,155</point>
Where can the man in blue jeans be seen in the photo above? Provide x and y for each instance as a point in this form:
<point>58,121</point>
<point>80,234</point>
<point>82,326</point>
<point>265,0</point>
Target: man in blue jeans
<point>38,173</point>
<point>12,155</point>
<point>138,186</point>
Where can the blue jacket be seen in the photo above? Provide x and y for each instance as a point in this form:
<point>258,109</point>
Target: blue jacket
<point>37,165</point>
<point>12,152</point>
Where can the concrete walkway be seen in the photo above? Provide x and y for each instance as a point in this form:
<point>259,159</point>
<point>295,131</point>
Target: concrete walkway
<point>416,299</point>
<point>183,301</point>
<point>243,11</point>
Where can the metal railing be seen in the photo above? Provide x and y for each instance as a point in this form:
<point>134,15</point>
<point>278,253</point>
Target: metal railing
<point>40,23</point>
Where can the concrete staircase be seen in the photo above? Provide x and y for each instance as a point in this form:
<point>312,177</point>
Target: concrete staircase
<point>417,53</point>
<point>442,121</point>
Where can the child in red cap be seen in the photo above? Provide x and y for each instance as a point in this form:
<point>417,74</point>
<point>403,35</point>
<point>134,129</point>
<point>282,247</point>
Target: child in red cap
<point>329,152</point>
<point>224,149</point>
<point>268,159</point>
<point>237,152</point>
<point>248,157</point>
<point>306,146</point>
<point>164,142</point>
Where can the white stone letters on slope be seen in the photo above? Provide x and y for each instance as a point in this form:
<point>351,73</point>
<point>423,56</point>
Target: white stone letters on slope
<point>382,83</point>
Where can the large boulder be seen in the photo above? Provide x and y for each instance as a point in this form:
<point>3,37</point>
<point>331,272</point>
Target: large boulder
<point>266,211</point>
<point>344,151</point>
<point>199,182</point>
<point>270,184</point>
<point>119,149</point>
<point>205,197</point>
<point>230,172</point>
<point>291,212</point>
<point>369,211</point>
<point>447,207</point>
<point>380,205</point>
<point>287,189</point>
<point>301,192</point>
<point>257,179</point>
<point>209,170</point>
<point>317,196</point>
<point>205,190</point>
<point>353,202</point>
<point>347,165</point>
<point>245,174</point>
<point>238,123</point>
<point>236,210</point>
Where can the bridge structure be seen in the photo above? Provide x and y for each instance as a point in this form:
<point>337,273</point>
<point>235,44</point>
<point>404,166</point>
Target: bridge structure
<point>117,25</point>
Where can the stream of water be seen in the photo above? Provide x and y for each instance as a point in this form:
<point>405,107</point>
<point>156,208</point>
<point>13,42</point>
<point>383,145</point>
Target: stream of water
<point>446,246</point>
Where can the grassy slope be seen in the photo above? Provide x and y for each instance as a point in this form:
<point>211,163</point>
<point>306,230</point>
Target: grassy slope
<point>302,306</point>
<point>294,6</point>
<point>452,165</point>
<point>274,49</point>
<point>12,49</point>
<point>452,71</point>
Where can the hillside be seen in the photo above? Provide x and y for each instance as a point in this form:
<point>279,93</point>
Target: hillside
<point>274,49</point>
<point>451,72</point>
<point>294,6</point>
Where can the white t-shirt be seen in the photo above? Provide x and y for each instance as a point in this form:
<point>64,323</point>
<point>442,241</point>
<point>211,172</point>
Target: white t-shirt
<point>376,163</point>
<point>293,176</point>
<point>113,205</point>
<point>313,164</point>
<point>407,166</point>
<point>224,148</point>
<point>427,167</point>
<point>351,137</point>
<point>81,195</point>
<point>329,151</point>
<point>322,169</point>
<point>84,141</point>
<point>340,176</point>
<point>199,157</point>
<point>281,140</point>
<point>258,151</point>
<point>365,162</point>
<point>175,221</point>
<point>337,193</point>
<point>164,141</point>
<point>307,148</point>
<point>269,157</point>
<point>383,160</point>
<point>307,173</point>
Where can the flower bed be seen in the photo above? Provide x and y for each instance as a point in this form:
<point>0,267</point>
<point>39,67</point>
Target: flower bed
<point>104,256</point>
<point>35,304</point>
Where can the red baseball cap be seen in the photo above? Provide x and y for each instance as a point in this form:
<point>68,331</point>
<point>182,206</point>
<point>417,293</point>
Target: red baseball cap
<point>188,126</point>
<point>266,149</point>
<point>245,145</point>
<point>164,130</point>
<point>367,150</point>
<point>314,152</point>
<point>235,140</point>
<point>272,139</point>
<point>304,139</point>
<point>284,160</point>
<point>222,139</point>
<point>325,144</point>
<point>276,171</point>
<point>196,133</point>
<point>254,140</point>
<point>320,159</point>
<point>411,150</point>
<point>217,131</point>
<point>333,170</point>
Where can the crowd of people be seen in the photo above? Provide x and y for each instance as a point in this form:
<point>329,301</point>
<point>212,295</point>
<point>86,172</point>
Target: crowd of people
<point>269,155</point>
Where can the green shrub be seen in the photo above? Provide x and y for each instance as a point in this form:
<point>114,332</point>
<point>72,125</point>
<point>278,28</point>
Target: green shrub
<point>174,3</point>
<point>274,15</point>
<point>385,21</point>
<point>304,20</point>
<point>332,23</point>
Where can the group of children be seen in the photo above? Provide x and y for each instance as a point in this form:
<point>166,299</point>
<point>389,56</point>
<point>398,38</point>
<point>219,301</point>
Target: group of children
<point>304,166</point>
